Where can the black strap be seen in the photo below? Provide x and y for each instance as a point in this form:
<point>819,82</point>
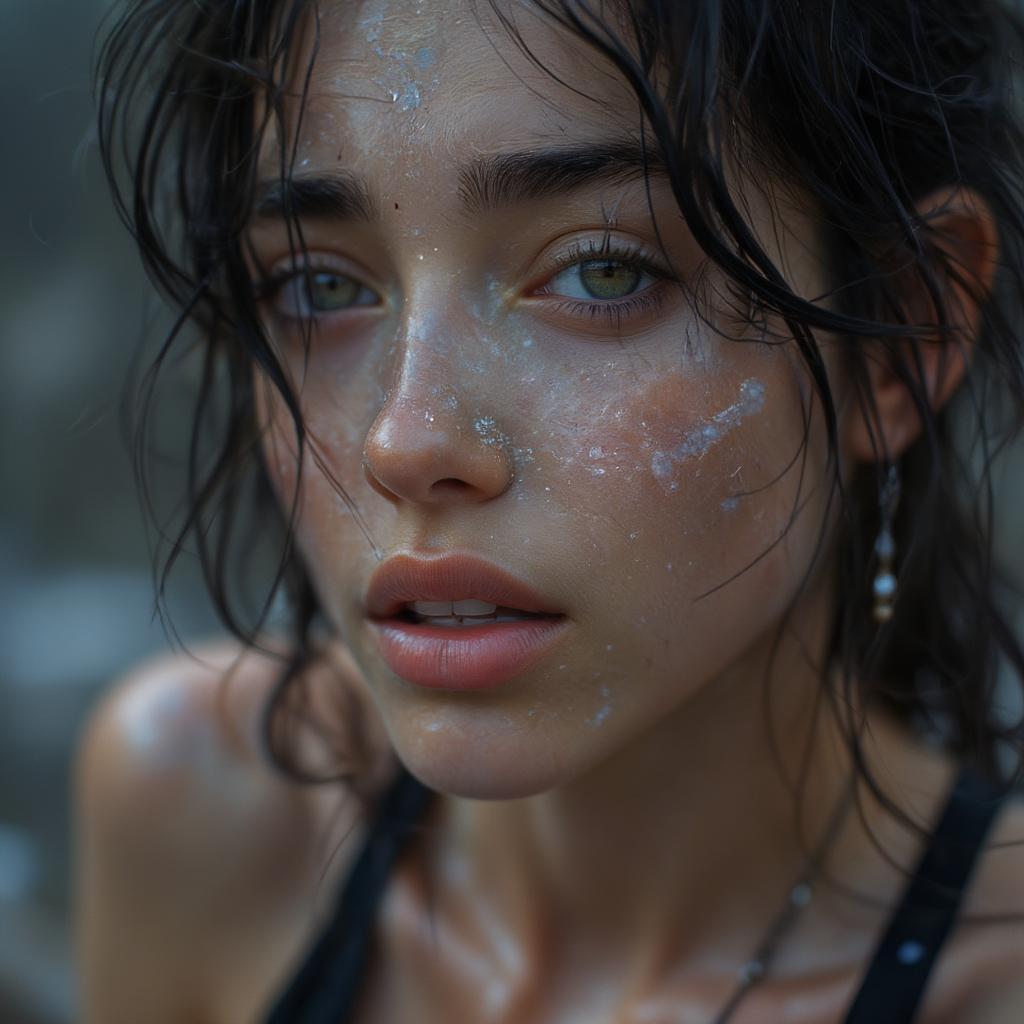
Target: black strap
<point>325,987</point>
<point>896,978</point>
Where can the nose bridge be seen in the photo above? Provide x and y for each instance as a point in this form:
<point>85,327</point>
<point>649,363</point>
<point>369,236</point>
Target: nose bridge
<point>424,444</point>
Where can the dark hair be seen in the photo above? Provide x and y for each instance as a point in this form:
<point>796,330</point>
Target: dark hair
<point>865,107</point>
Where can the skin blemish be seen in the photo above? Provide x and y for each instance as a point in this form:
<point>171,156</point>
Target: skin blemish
<point>701,438</point>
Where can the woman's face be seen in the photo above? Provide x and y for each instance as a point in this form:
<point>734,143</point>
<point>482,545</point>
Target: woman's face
<point>504,364</point>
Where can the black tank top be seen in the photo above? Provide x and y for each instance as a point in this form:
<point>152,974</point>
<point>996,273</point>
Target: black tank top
<point>324,989</point>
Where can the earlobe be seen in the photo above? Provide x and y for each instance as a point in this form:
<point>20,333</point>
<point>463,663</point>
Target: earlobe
<point>960,233</point>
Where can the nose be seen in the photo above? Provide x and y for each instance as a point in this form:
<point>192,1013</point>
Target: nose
<point>431,452</point>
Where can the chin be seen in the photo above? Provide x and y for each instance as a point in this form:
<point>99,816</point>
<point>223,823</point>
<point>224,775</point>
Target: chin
<point>478,764</point>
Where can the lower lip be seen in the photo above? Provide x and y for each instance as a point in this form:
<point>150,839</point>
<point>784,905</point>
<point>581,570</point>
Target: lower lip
<point>464,657</point>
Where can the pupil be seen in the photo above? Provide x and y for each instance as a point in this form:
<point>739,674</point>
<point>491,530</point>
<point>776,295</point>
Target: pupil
<point>609,279</point>
<point>331,291</point>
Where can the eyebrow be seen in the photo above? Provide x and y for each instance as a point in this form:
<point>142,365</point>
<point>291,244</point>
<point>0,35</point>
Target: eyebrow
<point>485,184</point>
<point>337,196</point>
<point>508,178</point>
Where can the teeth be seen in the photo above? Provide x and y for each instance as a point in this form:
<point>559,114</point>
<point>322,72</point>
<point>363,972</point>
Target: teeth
<point>432,607</point>
<point>469,622</point>
<point>471,607</point>
<point>449,608</point>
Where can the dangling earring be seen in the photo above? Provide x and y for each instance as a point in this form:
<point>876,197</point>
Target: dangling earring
<point>884,586</point>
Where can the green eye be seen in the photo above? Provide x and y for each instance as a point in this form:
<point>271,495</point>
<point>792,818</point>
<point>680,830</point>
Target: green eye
<point>605,279</point>
<point>311,293</point>
<point>609,279</point>
<point>328,292</point>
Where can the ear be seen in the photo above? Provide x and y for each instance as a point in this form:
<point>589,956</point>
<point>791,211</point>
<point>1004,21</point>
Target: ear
<point>961,230</point>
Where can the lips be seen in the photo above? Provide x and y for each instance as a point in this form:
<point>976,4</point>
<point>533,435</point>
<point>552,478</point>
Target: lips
<point>403,579</point>
<point>477,657</point>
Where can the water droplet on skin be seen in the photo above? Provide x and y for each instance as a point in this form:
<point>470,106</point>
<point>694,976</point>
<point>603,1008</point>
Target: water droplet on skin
<point>634,535</point>
<point>668,566</point>
<point>730,504</point>
<point>609,647</point>
<point>596,452</point>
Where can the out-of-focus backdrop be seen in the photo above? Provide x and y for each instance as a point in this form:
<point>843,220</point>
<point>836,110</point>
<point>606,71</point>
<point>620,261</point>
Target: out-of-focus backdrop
<point>75,582</point>
<point>75,586</point>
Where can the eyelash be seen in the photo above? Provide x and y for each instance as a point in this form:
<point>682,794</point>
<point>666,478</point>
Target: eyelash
<point>270,286</point>
<point>612,311</point>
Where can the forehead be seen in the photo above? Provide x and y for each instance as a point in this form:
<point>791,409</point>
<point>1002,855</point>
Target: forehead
<point>400,83</point>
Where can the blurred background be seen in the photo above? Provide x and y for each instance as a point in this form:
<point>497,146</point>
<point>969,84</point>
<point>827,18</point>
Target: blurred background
<point>75,578</point>
<point>75,581</point>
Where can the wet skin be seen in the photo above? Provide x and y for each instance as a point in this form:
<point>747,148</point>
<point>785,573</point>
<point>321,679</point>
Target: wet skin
<point>532,381</point>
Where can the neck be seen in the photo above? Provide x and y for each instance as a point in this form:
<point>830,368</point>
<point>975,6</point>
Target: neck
<point>682,847</point>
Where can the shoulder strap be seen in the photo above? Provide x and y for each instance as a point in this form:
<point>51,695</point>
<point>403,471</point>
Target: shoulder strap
<point>325,987</point>
<point>896,978</point>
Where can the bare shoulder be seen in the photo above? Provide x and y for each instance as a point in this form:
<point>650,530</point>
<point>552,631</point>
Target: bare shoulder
<point>981,975</point>
<point>200,867</point>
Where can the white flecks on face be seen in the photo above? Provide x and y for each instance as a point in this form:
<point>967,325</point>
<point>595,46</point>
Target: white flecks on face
<point>700,439</point>
<point>487,430</point>
<point>601,715</point>
<point>405,79</point>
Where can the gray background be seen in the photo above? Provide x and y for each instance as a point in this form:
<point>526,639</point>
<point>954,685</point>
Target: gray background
<point>75,584</point>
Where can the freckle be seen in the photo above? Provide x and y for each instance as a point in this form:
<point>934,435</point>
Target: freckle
<point>396,204</point>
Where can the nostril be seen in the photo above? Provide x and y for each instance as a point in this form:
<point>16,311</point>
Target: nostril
<point>451,483</point>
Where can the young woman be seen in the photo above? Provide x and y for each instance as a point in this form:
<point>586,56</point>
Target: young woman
<point>619,383</point>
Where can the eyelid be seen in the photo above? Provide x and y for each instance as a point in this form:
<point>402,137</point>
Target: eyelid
<point>289,267</point>
<point>582,250</point>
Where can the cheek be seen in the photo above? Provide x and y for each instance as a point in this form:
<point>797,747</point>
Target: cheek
<point>331,468</point>
<point>681,482</point>
<point>685,448</point>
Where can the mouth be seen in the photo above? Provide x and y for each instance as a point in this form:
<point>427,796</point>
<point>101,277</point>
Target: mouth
<point>469,614</point>
<point>458,623</point>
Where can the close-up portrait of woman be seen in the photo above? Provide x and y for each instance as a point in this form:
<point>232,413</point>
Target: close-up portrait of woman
<point>590,445</point>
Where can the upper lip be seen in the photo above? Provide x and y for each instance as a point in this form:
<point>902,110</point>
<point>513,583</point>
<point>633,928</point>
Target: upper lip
<point>404,578</point>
